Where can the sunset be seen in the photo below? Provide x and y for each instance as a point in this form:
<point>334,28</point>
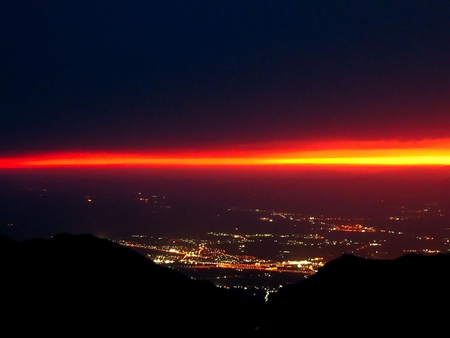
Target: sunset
<point>225,168</point>
<point>331,154</point>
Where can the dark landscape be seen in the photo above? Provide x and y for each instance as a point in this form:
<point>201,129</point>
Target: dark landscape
<point>265,168</point>
<point>81,283</point>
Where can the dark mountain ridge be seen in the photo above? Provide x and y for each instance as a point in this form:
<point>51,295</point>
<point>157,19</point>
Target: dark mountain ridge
<point>78,284</point>
<point>82,283</point>
<point>353,296</point>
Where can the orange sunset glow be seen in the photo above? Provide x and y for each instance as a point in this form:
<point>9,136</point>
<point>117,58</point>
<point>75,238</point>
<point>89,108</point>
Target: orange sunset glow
<point>342,153</point>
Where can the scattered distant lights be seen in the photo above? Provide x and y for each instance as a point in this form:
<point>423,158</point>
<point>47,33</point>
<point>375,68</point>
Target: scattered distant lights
<point>337,153</point>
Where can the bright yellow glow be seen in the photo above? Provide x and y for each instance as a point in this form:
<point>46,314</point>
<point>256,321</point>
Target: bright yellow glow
<point>336,153</point>
<point>124,160</point>
<point>385,161</point>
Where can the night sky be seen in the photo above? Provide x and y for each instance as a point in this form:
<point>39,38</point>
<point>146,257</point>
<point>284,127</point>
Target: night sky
<point>206,79</point>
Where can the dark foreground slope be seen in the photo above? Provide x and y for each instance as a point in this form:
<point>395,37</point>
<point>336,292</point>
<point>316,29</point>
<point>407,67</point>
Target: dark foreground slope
<point>84,285</point>
<point>354,296</point>
<point>81,284</point>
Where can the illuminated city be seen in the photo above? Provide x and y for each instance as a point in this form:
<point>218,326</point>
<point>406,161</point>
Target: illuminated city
<point>247,234</point>
<point>310,242</point>
<point>225,168</point>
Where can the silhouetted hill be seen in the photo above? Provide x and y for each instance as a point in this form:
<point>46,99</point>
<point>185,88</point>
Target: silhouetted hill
<point>84,285</point>
<point>357,296</point>
<point>79,284</point>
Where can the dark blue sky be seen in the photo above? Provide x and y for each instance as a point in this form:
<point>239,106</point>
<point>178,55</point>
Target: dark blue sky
<point>117,75</point>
